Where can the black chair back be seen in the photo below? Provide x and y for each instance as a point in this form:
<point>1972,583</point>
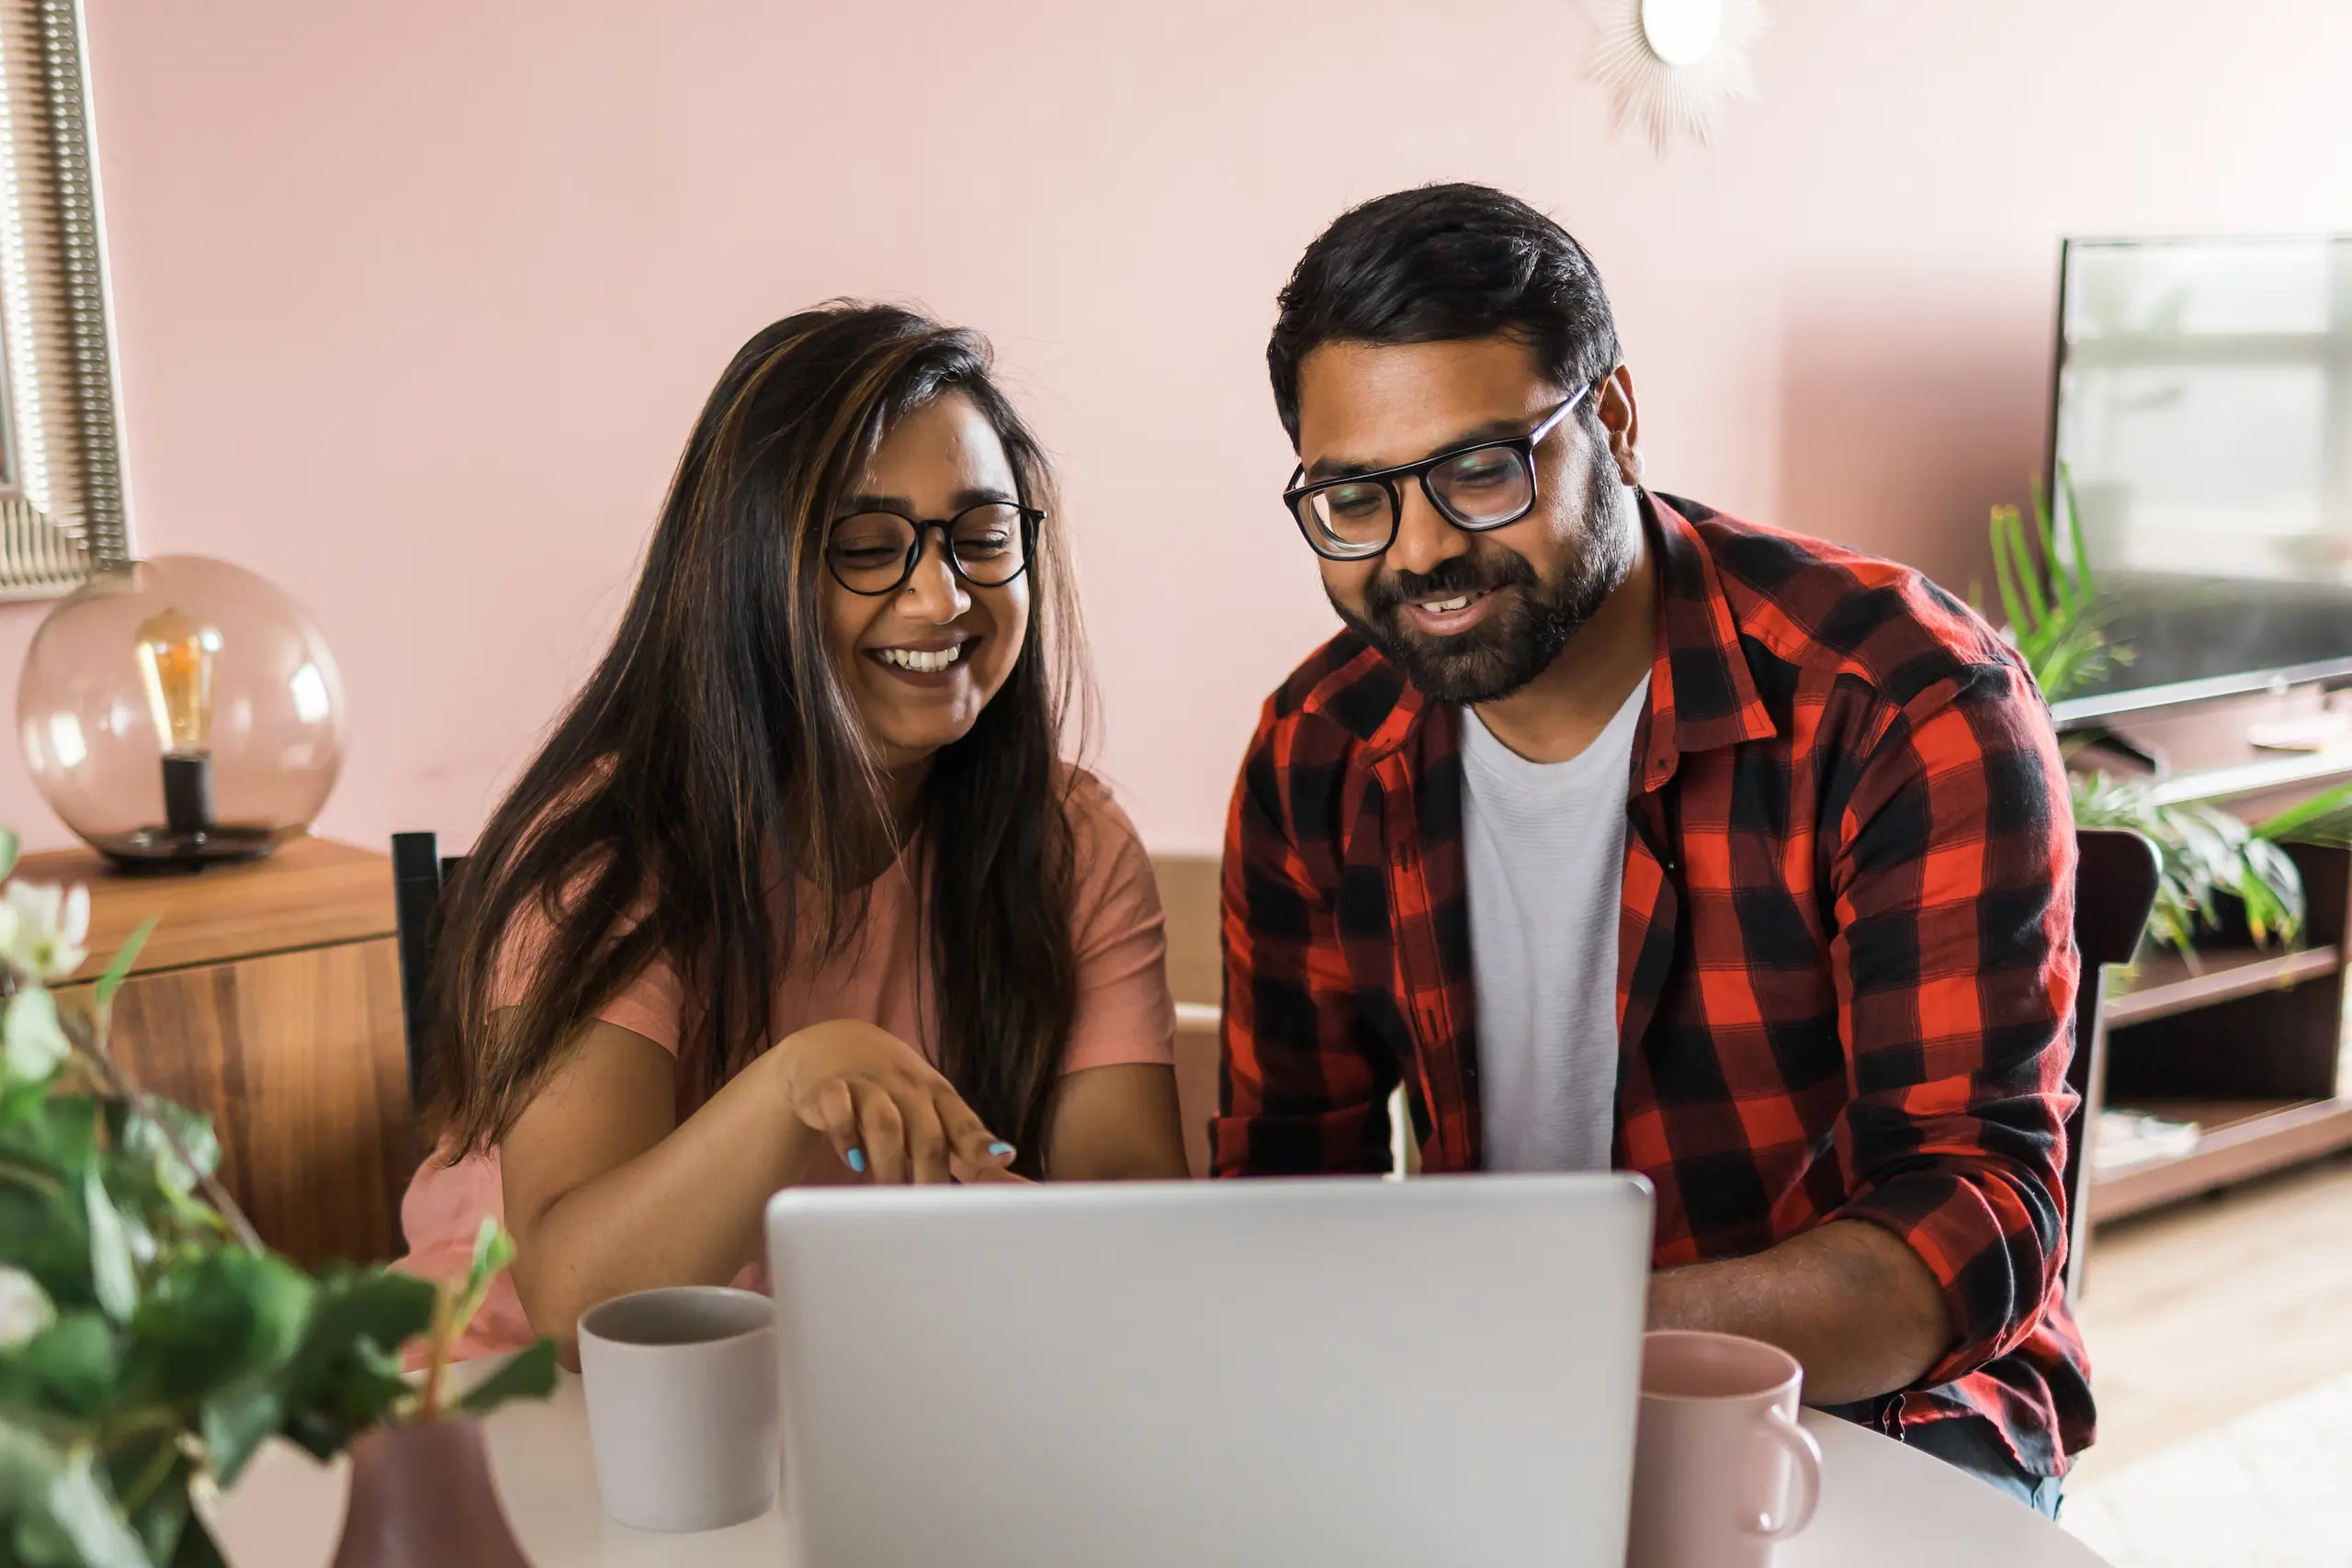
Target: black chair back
<point>418,873</point>
<point>2115,889</point>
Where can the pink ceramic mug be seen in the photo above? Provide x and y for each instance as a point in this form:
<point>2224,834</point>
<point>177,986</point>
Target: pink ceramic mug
<point>1720,1469</point>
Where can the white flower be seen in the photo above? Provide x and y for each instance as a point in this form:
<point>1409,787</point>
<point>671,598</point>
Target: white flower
<point>25,1308</point>
<point>43,929</point>
<point>32,1040</point>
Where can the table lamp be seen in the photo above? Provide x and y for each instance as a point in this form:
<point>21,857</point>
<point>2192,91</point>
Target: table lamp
<point>181,713</point>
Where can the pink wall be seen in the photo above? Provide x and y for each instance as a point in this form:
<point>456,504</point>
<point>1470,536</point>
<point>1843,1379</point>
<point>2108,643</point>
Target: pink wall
<point>416,302</point>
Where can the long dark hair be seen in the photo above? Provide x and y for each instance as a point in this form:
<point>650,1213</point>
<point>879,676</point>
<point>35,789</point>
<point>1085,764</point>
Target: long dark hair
<point>716,750</point>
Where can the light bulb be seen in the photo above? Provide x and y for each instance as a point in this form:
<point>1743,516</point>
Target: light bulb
<point>1680,32</point>
<point>175,653</point>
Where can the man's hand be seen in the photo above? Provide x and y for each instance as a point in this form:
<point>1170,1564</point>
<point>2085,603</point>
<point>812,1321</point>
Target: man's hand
<point>1852,1302</point>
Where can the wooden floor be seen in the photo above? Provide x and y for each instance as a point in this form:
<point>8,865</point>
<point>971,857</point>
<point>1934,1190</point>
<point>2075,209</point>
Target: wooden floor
<point>2206,1311</point>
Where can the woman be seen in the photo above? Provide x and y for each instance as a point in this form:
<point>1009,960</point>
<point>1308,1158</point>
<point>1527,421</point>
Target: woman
<point>800,890</point>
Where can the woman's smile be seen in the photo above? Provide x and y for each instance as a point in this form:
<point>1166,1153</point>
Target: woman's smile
<point>929,662</point>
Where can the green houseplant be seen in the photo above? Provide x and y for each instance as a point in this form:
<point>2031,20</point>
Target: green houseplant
<point>2209,861</point>
<point>149,1343</point>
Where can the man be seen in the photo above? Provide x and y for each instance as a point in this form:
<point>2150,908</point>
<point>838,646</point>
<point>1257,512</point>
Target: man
<point>1625,834</point>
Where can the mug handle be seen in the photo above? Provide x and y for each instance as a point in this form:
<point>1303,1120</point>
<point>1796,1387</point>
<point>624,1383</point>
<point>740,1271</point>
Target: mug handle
<point>1804,1464</point>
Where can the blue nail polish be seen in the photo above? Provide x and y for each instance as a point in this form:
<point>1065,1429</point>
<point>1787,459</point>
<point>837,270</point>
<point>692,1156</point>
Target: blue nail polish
<point>1000,1149</point>
<point>857,1161</point>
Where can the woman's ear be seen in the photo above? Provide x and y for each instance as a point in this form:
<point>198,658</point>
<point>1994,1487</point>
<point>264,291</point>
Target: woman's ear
<point>1622,418</point>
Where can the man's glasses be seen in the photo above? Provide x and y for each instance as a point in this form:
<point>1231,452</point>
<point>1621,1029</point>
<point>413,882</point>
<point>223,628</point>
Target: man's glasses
<point>988,546</point>
<point>1489,484</point>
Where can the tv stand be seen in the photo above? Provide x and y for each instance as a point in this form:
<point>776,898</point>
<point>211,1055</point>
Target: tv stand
<point>2085,741</point>
<point>2246,1042</point>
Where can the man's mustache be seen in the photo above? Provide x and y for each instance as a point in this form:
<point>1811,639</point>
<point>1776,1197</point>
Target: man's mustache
<point>1479,573</point>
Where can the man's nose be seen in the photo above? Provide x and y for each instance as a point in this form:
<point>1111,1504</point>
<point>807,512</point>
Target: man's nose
<point>1424,539</point>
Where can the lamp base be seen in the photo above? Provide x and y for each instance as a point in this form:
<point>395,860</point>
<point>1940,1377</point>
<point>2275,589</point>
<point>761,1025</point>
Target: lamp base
<point>159,852</point>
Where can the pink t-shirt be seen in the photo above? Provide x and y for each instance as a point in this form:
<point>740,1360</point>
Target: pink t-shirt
<point>1124,1015</point>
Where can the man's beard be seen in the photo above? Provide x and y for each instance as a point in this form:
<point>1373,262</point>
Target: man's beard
<point>1522,635</point>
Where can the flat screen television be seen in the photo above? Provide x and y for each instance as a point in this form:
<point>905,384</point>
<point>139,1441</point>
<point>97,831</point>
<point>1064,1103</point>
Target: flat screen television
<point>2204,414</point>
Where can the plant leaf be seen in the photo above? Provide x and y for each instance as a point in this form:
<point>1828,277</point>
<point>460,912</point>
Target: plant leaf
<point>70,1368</point>
<point>150,1131</point>
<point>28,1463</point>
<point>2273,890</point>
<point>9,845</point>
<point>33,1043</point>
<point>2083,580</point>
<point>119,970</point>
<point>162,1518</point>
<point>214,1319</point>
<point>2061,582</point>
<point>2327,815</point>
<point>83,1511</point>
<point>345,1375</point>
<point>2005,575</point>
<point>493,1250</point>
<point>527,1374</point>
<point>234,1427</point>
<point>2032,574</point>
<point>113,1275</point>
<point>2203,854</point>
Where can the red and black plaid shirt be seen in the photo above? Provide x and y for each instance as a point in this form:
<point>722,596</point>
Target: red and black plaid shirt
<point>1846,964</point>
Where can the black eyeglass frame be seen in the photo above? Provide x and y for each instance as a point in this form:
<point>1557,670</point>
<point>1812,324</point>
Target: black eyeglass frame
<point>1032,519</point>
<point>1296,496</point>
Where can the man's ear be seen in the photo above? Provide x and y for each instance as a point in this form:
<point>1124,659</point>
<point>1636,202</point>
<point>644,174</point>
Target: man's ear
<point>1622,418</point>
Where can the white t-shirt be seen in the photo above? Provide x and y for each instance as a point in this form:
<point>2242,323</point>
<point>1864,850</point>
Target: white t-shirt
<point>1545,844</point>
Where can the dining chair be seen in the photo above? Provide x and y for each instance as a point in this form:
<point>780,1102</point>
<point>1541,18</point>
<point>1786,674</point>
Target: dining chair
<point>419,871</point>
<point>2115,889</point>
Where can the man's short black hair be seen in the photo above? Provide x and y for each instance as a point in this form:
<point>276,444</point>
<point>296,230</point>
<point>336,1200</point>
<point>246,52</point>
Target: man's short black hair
<point>1444,264</point>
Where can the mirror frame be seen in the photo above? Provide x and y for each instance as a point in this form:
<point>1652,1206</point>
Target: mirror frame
<point>64,516</point>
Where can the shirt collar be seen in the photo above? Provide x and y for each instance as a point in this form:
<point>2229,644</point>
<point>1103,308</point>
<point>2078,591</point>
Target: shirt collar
<point>1702,695</point>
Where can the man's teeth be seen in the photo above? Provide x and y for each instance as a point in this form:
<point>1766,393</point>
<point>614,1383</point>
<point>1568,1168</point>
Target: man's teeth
<point>1440,606</point>
<point>929,663</point>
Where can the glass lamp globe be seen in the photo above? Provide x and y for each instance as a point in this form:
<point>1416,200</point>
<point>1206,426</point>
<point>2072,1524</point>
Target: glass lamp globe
<point>181,712</point>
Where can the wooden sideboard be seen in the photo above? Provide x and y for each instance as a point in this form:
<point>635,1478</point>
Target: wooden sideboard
<point>2246,1044</point>
<point>268,997</point>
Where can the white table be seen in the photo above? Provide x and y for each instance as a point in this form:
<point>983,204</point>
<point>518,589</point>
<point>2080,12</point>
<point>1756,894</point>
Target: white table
<point>1881,1503</point>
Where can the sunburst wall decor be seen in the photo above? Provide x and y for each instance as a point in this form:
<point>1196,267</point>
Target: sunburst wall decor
<point>1671,65</point>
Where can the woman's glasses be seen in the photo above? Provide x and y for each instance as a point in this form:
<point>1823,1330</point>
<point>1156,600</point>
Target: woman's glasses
<point>988,546</point>
<point>1488,485</point>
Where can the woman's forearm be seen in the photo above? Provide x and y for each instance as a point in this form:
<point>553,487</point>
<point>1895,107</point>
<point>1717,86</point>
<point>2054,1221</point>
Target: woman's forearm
<point>687,1211</point>
<point>1117,1123</point>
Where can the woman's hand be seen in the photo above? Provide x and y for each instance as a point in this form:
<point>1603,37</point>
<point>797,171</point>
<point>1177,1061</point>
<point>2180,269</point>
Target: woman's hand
<point>884,1107</point>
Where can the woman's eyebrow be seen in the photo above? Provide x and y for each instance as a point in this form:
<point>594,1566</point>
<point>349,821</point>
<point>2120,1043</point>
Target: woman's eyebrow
<point>986,495</point>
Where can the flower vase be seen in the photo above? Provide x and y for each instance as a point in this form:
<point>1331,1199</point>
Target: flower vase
<point>421,1497</point>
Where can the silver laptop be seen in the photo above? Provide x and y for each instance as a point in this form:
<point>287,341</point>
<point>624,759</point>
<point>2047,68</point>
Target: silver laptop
<point>1421,1373</point>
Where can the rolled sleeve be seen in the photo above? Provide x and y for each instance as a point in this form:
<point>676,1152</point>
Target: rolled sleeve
<point>1956,972</point>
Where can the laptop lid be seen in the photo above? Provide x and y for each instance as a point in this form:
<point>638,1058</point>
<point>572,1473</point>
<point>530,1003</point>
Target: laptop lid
<point>1097,1376</point>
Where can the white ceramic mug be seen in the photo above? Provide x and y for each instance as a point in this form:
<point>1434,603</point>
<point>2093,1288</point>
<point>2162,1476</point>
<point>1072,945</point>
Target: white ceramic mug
<point>682,1406</point>
<point>1722,1471</point>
